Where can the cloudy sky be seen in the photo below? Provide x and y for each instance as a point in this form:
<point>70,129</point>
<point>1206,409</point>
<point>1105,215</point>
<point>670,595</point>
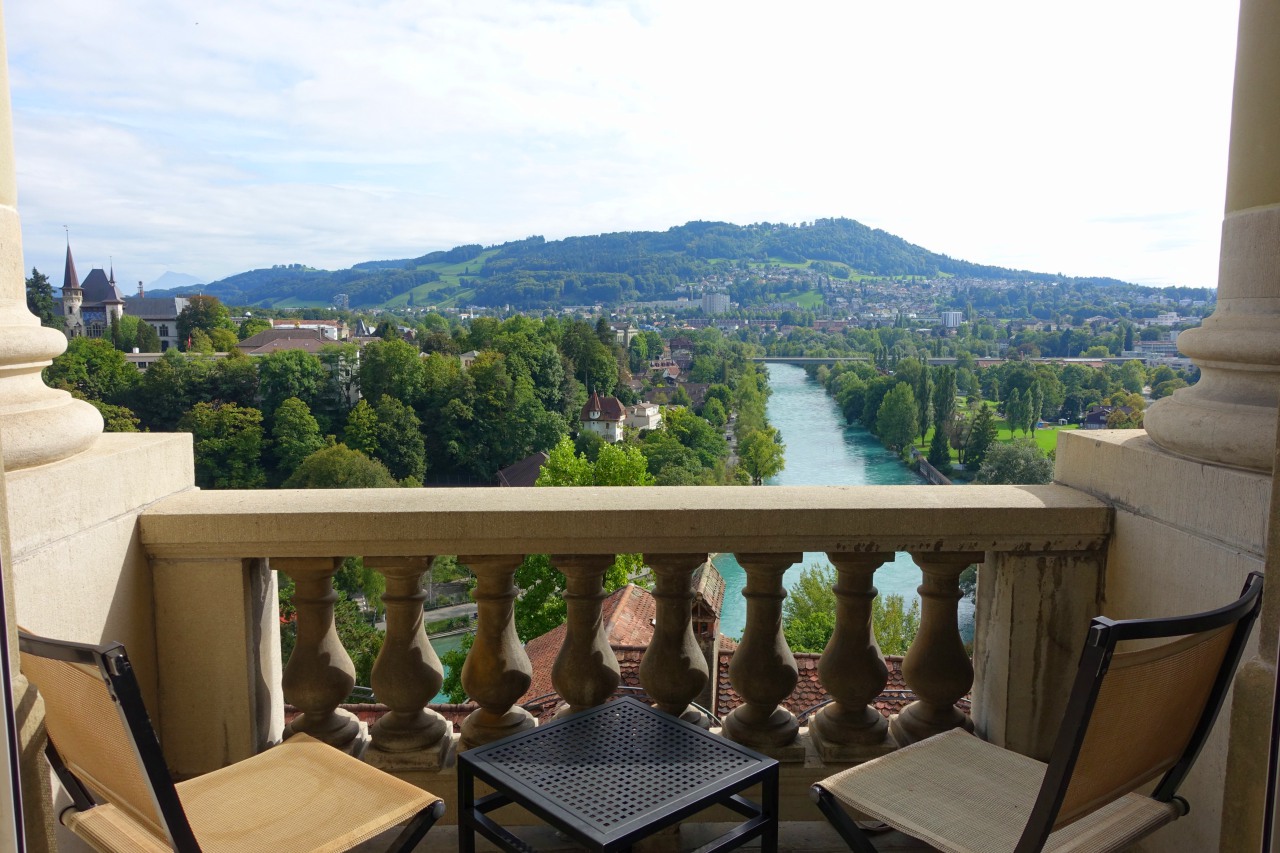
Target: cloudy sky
<point>1087,138</point>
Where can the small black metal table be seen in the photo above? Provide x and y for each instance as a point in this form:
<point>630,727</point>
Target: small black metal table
<point>613,775</point>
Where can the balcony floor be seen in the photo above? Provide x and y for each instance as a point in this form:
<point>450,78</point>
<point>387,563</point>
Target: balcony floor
<point>794,837</point>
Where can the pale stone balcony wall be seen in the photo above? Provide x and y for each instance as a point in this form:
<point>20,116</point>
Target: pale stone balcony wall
<point>213,555</point>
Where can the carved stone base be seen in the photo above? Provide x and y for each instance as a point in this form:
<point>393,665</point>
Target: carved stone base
<point>792,753</point>
<point>917,722</point>
<point>871,742</point>
<point>395,733</point>
<point>431,758</point>
<point>342,731</point>
<point>482,726</point>
<point>850,727</point>
<point>749,727</point>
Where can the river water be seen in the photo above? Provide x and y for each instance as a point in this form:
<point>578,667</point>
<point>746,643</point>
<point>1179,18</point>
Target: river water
<point>821,450</point>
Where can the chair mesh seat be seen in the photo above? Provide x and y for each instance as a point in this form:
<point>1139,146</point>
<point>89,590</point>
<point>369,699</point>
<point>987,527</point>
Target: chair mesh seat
<point>299,797</point>
<point>964,795</point>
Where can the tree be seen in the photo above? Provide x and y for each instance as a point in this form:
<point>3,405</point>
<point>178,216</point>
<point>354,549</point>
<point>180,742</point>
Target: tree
<point>810,608</point>
<point>93,369</point>
<point>394,368</point>
<point>40,300</point>
<point>291,373</point>
<point>205,313</point>
<point>896,419</point>
<point>361,432</point>
<point>713,413</point>
<point>295,435</point>
<point>147,339</point>
<point>1014,410</point>
<point>339,467</point>
<point>1017,462</point>
<point>251,326</point>
<point>982,435</point>
<point>115,418</point>
<point>400,445</point>
<point>228,445</point>
<point>761,455</point>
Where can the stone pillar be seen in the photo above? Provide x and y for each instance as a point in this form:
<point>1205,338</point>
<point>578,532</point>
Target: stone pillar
<point>1229,416</point>
<point>28,707</point>
<point>407,675</point>
<point>319,674</point>
<point>39,424</point>
<point>1244,792</point>
<point>936,668</point>
<point>217,681</point>
<point>763,670</point>
<point>585,673</point>
<point>1033,613</point>
<point>673,670</point>
<point>852,668</point>
<point>497,671</point>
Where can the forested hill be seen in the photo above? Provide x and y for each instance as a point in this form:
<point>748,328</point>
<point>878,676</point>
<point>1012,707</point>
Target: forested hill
<point>608,268</point>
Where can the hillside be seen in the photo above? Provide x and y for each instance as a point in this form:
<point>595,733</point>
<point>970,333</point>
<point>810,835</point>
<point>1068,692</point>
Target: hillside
<point>608,268</point>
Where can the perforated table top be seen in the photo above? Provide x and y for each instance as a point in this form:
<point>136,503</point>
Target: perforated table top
<point>610,771</point>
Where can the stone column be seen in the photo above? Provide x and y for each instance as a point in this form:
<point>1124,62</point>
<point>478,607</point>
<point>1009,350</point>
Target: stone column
<point>763,670</point>
<point>852,668</point>
<point>673,670</point>
<point>1229,416</point>
<point>1033,613</point>
<point>497,672</point>
<point>39,424</point>
<point>319,674</point>
<point>407,675</point>
<point>585,673</point>
<point>936,667</point>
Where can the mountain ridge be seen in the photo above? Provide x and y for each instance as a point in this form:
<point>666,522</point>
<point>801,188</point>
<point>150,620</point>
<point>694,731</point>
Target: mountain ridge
<point>609,268</point>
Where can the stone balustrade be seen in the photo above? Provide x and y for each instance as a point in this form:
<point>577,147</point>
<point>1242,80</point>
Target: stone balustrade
<point>1015,531</point>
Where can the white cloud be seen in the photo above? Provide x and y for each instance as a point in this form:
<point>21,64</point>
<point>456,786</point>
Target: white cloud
<point>1088,138</point>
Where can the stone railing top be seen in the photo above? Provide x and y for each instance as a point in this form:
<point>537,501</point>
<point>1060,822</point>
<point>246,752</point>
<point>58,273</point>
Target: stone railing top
<point>369,522</point>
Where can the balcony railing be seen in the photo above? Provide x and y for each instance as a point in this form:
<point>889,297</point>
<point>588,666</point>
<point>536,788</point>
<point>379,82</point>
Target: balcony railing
<point>222,688</point>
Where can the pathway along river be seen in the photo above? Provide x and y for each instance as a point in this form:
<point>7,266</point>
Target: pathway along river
<point>821,450</point>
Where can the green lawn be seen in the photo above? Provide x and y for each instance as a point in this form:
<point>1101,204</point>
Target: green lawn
<point>1046,439</point>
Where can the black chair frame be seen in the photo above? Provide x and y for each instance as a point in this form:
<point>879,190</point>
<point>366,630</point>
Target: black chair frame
<point>112,662</point>
<point>1100,645</point>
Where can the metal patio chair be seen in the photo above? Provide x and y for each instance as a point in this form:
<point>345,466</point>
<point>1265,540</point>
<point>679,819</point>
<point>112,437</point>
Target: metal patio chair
<point>301,796</point>
<point>1132,717</point>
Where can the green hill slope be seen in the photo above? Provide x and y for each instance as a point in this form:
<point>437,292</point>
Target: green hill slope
<point>608,268</point>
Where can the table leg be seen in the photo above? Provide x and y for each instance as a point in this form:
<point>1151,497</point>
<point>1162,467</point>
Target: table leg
<point>466,808</point>
<point>769,805</point>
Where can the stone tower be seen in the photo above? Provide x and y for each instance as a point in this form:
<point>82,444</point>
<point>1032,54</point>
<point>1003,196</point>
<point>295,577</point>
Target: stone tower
<point>72,298</point>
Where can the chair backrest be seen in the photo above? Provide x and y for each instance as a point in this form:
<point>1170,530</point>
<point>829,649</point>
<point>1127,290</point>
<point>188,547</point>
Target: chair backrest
<point>1134,715</point>
<point>100,736</point>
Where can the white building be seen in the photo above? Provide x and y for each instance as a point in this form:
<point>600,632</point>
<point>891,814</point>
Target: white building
<point>605,416</point>
<point>714,302</point>
<point>952,319</point>
<point>643,416</point>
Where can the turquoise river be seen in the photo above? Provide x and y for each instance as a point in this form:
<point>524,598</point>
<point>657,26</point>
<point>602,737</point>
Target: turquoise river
<point>821,450</point>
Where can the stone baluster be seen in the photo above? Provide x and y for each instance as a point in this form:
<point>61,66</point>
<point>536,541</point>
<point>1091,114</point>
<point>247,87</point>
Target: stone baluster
<point>585,673</point>
<point>936,667</point>
<point>407,674</point>
<point>497,672</point>
<point>319,674</point>
<point>851,668</point>
<point>763,670</point>
<point>674,669</point>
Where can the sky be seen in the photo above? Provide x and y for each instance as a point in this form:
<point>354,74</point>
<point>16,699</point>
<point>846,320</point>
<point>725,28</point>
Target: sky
<point>1087,138</point>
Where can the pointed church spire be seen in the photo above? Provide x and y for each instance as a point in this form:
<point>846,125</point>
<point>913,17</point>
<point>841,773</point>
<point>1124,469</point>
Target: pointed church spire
<point>69,277</point>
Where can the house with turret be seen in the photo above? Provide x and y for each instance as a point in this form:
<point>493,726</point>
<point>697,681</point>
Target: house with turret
<point>604,416</point>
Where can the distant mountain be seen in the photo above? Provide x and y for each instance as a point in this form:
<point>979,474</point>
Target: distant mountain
<point>171,279</point>
<point>608,268</point>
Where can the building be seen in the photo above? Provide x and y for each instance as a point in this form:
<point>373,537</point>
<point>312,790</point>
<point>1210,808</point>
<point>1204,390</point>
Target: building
<point>952,319</point>
<point>88,307</point>
<point>647,416</point>
<point>333,330</point>
<point>603,416</point>
<point>160,313</point>
<point>714,302</point>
